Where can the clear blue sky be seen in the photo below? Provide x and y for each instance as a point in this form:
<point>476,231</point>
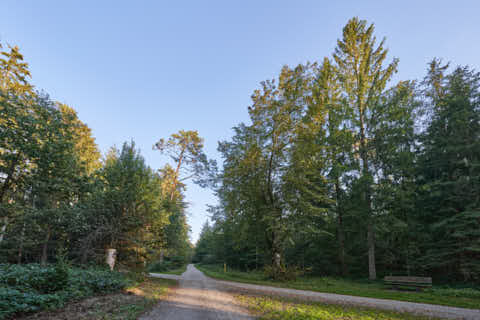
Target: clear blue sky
<point>144,69</point>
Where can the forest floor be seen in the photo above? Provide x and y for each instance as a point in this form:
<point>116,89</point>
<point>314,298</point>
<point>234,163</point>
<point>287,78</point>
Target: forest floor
<point>453,297</point>
<point>126,305</point>
<point>200,297</point>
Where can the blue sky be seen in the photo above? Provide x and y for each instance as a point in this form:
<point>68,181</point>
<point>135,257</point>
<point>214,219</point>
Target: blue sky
<point>145,69</point>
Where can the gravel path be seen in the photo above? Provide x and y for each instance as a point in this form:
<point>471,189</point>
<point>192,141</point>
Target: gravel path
<point>197,290</point>
<point>197,297</point>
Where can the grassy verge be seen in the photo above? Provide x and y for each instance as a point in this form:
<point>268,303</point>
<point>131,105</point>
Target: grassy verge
<point>464,298</point>
<point>126,305</point>
<point>275,308</point>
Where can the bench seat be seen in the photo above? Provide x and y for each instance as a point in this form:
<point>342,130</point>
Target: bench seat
<point>417,282</point>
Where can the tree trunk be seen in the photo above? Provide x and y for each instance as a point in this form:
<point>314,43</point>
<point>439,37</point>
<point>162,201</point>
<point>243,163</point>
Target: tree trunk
<point>177,174</point>
<point>43,260</point>
<point>341,232</point>
<point>161,256</point>
<point>372,271</point>
<point>4,229</point>
<point>276,257</point>
<point>20,247</point>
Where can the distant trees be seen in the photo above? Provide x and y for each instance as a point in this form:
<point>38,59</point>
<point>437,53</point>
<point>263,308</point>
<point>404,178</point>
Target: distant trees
<point>342,172</point>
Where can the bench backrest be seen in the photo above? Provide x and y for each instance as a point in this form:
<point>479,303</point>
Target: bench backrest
<point>408,279</point>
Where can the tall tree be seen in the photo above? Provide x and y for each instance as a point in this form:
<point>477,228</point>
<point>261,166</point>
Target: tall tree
<point>360,64</point>
<point>449,172</point>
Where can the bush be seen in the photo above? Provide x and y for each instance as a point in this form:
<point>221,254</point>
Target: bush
<point>454,292</point>
<point>283,273</point>
<point>29,288</point>
<point>166,265</point>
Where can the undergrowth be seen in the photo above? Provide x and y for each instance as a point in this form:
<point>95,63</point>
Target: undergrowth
<point>31,288</point>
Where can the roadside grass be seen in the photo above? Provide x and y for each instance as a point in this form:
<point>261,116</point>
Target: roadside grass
<point>269,308</point>
<point>464,298</point>
<point>126,305</point>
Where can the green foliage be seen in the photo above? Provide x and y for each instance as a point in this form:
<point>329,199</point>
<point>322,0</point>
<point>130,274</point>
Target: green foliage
<point>282,273</point>
<point>169,265</point>
<point>56,193</point>
<point>341,172</point>
<point>31,287</point>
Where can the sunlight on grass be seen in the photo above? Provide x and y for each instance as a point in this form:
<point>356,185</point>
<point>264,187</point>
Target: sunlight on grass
<point>269,308</point>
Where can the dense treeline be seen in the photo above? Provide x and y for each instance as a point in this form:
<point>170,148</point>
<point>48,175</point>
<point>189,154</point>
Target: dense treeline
<point>59,196</point>
<point>342,173</point>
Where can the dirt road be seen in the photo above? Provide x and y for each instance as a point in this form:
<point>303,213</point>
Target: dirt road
<point>197,297</point>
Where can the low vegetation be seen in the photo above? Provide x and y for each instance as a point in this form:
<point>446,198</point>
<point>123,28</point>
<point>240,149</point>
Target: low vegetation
<point>168,267</point>
<point>275,308</point>
<point>441,295</point>
<point>127,304</point>
<point>31,288</point>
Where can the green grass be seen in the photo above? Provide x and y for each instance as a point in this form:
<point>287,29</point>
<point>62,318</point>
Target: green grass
<point>269,308</point>
<point>464,298</point>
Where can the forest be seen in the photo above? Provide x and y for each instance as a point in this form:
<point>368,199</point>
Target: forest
<point>343,171</point>
<point>61,198</point>
<point>346,171</point>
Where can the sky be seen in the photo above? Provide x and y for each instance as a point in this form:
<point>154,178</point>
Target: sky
<point>143,70</point>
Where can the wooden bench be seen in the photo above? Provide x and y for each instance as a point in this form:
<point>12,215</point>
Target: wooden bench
<point>416,282</point>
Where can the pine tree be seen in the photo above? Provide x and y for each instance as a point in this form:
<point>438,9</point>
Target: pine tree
<point>450,172</point>
<point>360,63</point>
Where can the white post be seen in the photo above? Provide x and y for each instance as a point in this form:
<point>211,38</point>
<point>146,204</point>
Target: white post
<point>111,257</point>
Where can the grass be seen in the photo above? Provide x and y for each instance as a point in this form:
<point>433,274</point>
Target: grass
<point>268,308</point>
<point>464,298</point>
<point>126,305</point>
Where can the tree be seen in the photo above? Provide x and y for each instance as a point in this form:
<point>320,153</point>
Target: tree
<point>14,72</point>
<point>185,148</point>
<point>327,142</point>
<point>86,149</point>
<point>449,172</point>
<point>360,64</point>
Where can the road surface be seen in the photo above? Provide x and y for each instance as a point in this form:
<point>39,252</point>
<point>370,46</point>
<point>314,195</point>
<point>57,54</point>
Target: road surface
<point>197,297</point>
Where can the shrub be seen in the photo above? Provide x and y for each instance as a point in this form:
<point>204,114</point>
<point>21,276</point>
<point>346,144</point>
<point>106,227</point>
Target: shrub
<point>164,266</point>
<point>29,288</point>
<point>283,273</point>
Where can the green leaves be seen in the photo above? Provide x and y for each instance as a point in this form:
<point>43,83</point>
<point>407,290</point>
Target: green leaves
<point>31,288</point>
